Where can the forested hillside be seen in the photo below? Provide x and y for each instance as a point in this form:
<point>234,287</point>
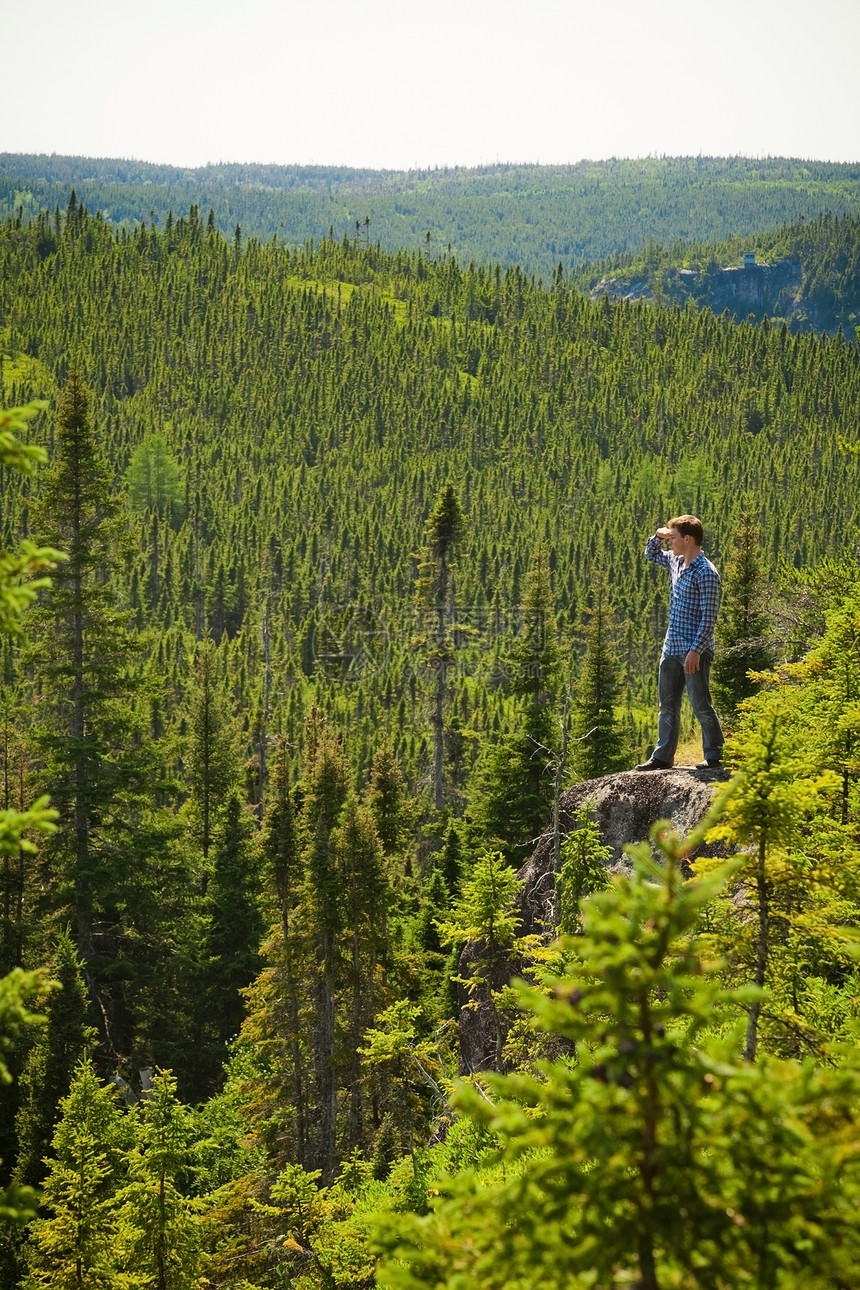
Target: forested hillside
<point>350,537</point>
<point>536,217</point>
<point>311,405</point>
<point>314,403</point>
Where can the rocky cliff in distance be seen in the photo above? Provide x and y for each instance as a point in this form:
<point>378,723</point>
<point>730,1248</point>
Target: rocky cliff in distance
<point>625,806</point>
<point>772,290</point>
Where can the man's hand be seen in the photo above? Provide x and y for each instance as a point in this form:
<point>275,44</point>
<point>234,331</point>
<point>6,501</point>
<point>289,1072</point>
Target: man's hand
<point>691,661</point>
<point>664,533</point>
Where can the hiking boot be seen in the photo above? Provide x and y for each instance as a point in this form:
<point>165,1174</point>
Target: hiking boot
<point>653,763</point>
<point>714,764</point>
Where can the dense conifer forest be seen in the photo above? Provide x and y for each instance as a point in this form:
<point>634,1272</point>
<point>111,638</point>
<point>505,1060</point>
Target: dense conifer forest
<point>533,217</point>
<point>345,569</point>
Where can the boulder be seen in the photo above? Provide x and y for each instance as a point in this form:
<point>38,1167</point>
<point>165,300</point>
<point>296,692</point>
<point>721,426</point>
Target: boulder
<point>625,806</point>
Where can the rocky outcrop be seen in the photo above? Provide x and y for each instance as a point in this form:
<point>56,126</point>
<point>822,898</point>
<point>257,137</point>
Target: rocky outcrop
<point>758,289</point>
<point>625,806</point>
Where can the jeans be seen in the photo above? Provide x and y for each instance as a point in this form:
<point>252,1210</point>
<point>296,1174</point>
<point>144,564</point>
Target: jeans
<point>672,683</point>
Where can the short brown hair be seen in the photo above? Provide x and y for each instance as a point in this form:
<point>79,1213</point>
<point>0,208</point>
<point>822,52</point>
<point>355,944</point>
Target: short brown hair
<point>688,526</point>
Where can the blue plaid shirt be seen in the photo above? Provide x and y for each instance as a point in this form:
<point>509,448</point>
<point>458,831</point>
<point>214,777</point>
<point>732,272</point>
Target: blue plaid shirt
<point>694,600</point>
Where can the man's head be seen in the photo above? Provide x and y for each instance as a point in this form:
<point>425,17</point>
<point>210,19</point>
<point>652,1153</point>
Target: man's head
<point>688,526</point>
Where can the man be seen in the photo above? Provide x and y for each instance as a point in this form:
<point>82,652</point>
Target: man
<point>688,650</point>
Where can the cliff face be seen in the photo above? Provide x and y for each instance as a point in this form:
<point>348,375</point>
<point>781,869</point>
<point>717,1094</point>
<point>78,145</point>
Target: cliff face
<point>773,290</point>
<point>625,806</point>
<point>758,288</point>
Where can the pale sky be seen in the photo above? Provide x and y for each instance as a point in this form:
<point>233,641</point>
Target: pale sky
<point>399,84</point>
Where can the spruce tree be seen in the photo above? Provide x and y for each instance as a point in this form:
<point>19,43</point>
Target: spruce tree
<point>88,734</point>
<point>656,1158</point>
<point>21,571</point>
<point>485,914</point>
<point>434,600</point>
<point>746,642</point>
<point>234,930</point>
<point>599,746</point>
<point>386,799</point>
<point>73,1243</point>
<point>47,1075</point>
<point>326,791</point>
<point>160,1230</point>
<point>366,899</point>
<point>275,1022</point>
<point>513,789</point>
<point>213,761</point>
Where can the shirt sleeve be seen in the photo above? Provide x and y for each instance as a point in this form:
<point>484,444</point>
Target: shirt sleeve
<point>654,551</point>
<point>709,600</point>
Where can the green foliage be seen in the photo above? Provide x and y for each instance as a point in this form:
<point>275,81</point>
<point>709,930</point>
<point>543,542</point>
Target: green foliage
<point>373,382</point>
<point>485,910</point>
<point>539,217</point>
<point>513,786</point>
<point>62,1044</point>
<point>359,367</point>
<point>18,586</point>
<point>599,745</point>
<point>213,760</point>
<point>583,870</point>
<point>234,931</point>
<point>654,1157</point>
<point>746,642</point>
<point>154,478</point>
<point>89,729</point>
<point>808,274</point>
<point>18,989</point>
<point>160,1231</point>
<point>794,818</point>
<point>74,1244</point>
<point>443,531</point>
<point>819,698</point>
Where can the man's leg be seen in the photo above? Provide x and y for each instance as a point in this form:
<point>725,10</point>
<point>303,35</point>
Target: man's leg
<point>699,690</point>
<point>670,692</point>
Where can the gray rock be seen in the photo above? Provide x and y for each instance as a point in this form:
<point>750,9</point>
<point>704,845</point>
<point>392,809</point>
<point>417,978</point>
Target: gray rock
<point>625,806</point>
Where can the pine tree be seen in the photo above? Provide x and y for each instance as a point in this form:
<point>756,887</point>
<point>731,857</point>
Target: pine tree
<point>433,596</point>
<point>160,1229</point>
<point>600,746</point>
<point>212,753</point>
<point>513,790</point>
<point>47,1075</point>
<point>74,1245</point>
<point>746,628</point>
<point>235,929</point>
<point>88,733</point>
